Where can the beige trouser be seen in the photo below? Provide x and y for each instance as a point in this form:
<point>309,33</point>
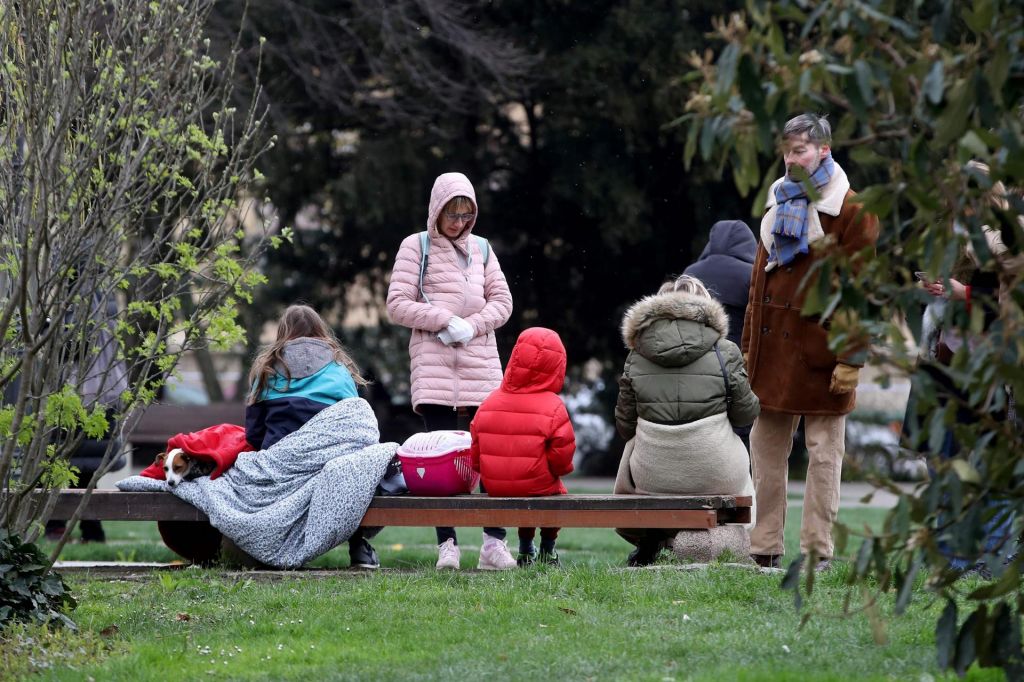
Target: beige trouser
<point>771,441</point>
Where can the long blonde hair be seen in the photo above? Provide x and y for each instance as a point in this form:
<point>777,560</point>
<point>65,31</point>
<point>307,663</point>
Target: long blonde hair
<point>298,321</point>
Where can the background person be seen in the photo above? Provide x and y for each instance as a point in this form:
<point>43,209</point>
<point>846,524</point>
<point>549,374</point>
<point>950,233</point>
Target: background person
<point>724,267</point>
<point>791,368</point>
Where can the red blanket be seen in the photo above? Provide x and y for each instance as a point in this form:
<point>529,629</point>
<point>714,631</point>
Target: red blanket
<point>221,444</point>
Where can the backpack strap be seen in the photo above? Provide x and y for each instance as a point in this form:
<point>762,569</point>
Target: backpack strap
<point>485,248</point>
<point>424,251</point>
<point>725,376</point>
<point>482,244</point>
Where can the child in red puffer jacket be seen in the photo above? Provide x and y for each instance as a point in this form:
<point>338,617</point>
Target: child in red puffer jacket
<point>522,437</point>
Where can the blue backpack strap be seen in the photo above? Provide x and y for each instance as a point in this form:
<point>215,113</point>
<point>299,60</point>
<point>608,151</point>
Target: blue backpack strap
<point>424,250</point>
<point>485,248</point>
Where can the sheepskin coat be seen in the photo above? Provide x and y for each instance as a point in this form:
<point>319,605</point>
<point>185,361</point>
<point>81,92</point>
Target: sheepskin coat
<point>672,375</point>
<point>788,357</point>
<point>457,283</point>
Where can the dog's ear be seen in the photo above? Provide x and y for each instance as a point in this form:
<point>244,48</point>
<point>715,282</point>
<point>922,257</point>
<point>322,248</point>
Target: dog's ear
<point>160,457</point>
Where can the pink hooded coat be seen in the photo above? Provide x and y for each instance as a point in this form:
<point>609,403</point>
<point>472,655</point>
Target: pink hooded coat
<point>461,375</point>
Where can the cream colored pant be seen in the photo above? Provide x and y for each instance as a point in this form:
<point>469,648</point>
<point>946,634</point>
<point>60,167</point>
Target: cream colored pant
<point>771,441</point>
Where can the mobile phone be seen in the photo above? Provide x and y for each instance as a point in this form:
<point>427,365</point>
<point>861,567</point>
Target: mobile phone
<point>922,275</point>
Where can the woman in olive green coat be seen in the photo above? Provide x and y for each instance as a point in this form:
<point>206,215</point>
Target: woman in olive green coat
<point>682,390</point>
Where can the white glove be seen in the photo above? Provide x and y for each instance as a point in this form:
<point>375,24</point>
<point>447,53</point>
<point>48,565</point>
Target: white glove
<point>460,330</point>
<point>444,337</point>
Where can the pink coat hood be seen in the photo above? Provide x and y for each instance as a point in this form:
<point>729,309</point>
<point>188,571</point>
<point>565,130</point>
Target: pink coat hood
<point>447,187</point>
<point>457,283</point>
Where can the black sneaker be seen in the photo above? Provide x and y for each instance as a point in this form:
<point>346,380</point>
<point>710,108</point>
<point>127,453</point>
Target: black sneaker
<point>526,558</point>
<point>549,558</point>
<point>643,555</point>
<point>362,554</point>
<point>767,560</point>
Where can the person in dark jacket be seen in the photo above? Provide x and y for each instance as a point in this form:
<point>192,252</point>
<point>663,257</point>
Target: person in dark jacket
<point>724,267</point>
<point>304,371</point>
<point>522,437</point>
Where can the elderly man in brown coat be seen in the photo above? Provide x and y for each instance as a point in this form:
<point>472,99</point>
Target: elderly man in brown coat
<point>810,213</point>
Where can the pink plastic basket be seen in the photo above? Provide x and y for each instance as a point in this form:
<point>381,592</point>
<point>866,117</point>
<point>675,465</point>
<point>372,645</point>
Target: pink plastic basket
<point>437,463</point>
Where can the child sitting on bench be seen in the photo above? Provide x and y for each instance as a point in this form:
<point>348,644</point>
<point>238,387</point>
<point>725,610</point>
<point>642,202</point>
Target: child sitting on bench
<point>522,437</point>
<point>304,371</point>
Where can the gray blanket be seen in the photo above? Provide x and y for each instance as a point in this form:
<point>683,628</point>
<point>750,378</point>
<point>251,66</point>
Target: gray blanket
<point>299,498</point>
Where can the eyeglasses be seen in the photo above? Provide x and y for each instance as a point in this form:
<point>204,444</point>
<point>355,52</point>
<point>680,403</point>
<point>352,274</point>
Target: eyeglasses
<point>456,217</point>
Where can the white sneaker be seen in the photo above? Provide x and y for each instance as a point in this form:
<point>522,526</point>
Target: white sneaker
<point>494,556</point>
<point>448,555</point>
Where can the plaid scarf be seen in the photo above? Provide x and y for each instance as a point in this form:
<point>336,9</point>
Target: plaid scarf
<point>790,228</point>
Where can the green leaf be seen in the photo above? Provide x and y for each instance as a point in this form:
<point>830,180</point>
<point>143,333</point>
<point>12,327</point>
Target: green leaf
<point>752,88</point>
<point>945,635</point>
<point>965,649</point>
<point>965,472</point>
<point>707,137</point>
<point>812,19</point>
<point>973,144</point>
<point>864,81</point>
<point>906,589</point>
<point>980,20</point>
<point>951,124</point>
<point>726,72</point>
<point>935,82</point>
<point>998,69</point>
<point>791,581</point>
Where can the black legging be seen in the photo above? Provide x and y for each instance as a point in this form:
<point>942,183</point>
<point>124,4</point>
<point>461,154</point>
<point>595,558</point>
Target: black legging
<point>447,418</point>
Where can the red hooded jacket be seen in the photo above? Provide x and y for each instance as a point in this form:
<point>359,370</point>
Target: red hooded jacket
<point>522,437</point>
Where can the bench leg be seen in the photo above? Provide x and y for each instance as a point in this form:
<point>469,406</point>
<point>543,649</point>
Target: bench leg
<point>705,546</point>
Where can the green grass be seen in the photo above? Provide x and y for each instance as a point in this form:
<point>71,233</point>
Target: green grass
<point>589,620</point>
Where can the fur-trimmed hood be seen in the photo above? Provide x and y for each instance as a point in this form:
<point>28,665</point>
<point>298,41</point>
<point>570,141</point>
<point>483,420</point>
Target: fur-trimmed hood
<point>674,329</point>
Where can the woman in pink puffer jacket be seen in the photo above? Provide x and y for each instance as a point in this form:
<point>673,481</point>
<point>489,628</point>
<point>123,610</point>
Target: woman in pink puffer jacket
<point>454,356</point>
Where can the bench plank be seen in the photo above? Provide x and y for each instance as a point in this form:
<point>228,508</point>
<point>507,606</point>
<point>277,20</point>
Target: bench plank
<point>568,511</point>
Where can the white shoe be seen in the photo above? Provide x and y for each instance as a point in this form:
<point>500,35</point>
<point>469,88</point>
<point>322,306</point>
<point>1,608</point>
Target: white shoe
<point>494,556</point>
<point>448,555</point>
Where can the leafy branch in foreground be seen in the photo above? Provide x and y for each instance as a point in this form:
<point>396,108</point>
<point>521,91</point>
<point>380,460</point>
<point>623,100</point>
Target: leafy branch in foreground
<point>124,203</point>
<point>926,104</point>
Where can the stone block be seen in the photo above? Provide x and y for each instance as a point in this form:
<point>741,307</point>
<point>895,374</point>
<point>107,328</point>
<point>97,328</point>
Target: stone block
<point>704,546</point>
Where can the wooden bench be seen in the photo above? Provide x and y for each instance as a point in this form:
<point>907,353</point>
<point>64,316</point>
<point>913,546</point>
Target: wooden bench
<point>562,511</point>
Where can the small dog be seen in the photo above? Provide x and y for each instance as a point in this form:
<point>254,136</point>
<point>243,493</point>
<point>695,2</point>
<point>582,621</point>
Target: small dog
<point>180,466</point>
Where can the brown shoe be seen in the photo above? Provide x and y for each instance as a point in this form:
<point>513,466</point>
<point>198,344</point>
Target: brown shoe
<point>767,560</point>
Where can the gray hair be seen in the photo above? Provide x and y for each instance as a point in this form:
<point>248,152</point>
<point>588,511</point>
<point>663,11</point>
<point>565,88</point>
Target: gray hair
<point>817,129</point>
<point>688,284</point>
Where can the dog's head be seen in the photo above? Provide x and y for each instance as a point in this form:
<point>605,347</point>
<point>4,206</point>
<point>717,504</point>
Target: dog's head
<point>180,466</point>
<point>176,466</point>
